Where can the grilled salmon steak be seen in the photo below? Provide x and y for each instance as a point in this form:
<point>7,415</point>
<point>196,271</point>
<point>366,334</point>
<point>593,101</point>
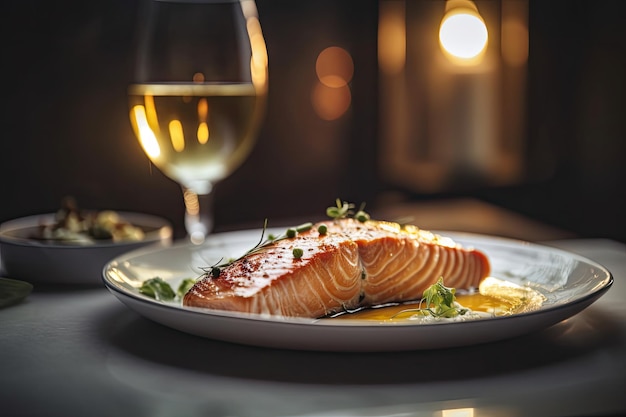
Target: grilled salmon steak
<point>354,264</point>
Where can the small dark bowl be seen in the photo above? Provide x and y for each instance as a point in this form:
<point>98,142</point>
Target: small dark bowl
<point>35,260</point>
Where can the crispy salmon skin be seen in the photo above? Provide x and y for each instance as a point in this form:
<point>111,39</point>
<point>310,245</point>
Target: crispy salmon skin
<point>353,264</point>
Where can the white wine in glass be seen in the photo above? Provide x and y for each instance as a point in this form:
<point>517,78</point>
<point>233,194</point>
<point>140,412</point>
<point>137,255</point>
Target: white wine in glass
<point>199,95</point>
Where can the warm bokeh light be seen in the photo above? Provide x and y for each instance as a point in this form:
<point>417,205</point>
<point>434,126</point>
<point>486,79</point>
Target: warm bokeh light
<point>392,37</point>
<point>334,67</point>
<point>146,136</point>
<point>151,113</point>
<point>192,204</point>
<point>259,59</point>
<point>331,95</point>
<point>463,33</point>
<point>192,207</point>
<point>203,109</point>
<point>330,103</point>
<point>259,52</point>
<point>177,135</point>
<point>203,133</point>
<point>458,412</point>
<point>203,127</point>
<point>198,77</point>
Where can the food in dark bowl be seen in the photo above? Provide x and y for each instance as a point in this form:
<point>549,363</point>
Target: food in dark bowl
<point>72,246</point>
<point>73,225</point>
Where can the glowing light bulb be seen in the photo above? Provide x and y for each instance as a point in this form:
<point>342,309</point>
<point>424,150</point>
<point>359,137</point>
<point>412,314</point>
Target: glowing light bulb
<point>463,33</point>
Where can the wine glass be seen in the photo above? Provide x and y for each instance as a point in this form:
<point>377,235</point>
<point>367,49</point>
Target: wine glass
<point>198,95</point>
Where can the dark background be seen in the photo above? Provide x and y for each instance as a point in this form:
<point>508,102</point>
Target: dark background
<point>65,128</point>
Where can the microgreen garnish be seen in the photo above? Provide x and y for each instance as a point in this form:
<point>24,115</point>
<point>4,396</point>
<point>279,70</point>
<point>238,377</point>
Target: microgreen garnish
<point>439,301</point>
<point>344,210</point>
<point>297,253</point>
<point>322,229</point>
<point>340,211</point>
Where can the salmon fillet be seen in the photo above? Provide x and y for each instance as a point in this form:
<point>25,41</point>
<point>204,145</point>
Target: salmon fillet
<point>353,265</point>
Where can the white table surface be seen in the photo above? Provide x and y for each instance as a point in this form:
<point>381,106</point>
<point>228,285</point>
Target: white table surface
<point>80,352</point>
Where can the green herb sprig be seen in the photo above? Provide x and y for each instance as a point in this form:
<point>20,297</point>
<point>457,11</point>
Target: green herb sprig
<point>290,233</point>
<point>439,301</point>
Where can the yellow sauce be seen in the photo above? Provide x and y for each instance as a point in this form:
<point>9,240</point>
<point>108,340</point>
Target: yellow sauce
<point>495,297</point>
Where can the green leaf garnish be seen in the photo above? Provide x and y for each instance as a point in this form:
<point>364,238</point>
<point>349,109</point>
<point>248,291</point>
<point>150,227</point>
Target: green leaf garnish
<point>158,289</point>
<point>439,301</point>
<point>161,290</point>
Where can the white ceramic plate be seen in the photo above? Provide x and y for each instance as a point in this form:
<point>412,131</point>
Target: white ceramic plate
<point>569,282</point>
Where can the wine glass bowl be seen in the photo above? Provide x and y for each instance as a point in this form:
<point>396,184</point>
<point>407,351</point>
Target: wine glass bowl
<point>198,96</point>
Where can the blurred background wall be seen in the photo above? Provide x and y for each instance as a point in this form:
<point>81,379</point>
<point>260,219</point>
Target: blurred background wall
<point>66,128</point>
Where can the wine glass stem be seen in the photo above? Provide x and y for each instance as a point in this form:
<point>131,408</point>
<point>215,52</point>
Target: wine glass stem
<point>198,215</point>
